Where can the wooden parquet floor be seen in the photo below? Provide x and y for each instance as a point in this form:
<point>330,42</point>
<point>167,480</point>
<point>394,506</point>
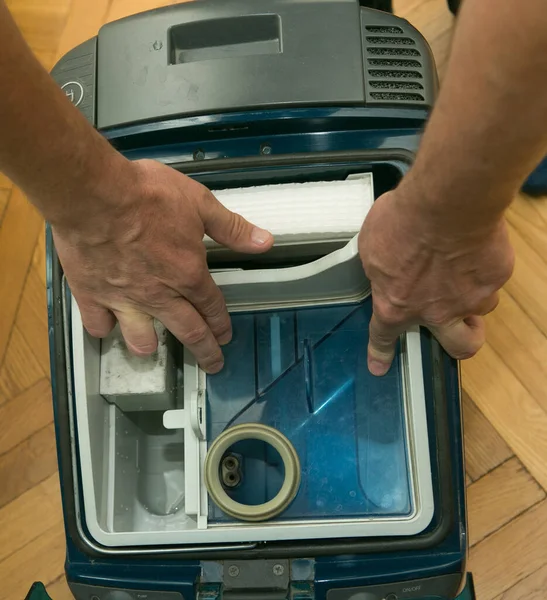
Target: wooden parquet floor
<point>505,401</point>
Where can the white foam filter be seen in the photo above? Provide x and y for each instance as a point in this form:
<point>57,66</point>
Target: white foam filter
<point>304,211</point>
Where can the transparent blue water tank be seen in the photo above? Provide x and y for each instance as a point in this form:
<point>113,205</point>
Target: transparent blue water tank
<point>305,373</point>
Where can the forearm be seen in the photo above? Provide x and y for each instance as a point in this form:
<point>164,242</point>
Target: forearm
<point>489,127</point>
<point>46,146</point>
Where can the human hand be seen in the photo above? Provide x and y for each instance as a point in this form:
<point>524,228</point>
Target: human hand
<point>136,253</point>
<point>427,274</point>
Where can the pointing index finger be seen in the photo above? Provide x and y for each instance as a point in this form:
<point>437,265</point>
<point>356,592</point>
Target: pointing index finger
<point>381,345</point>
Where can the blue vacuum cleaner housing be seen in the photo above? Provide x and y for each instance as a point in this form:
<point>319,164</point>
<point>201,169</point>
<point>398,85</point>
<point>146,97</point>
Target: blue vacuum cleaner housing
<point>238,94</point>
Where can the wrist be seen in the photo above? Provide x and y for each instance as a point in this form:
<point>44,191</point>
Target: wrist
<point>446,212</point>
<point>96,198</point>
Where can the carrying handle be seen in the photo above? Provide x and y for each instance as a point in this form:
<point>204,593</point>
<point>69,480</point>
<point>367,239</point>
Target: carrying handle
<point>211,39</point>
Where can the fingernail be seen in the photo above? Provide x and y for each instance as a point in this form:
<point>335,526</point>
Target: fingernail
<point>214,368</point>
<point>260,236</point>
<point>377,367</point>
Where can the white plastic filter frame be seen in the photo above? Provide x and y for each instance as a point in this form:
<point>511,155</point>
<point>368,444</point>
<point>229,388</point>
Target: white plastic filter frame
<point>194,528</point>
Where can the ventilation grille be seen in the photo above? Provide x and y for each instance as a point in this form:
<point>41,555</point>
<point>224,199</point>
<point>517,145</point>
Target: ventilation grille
<point>381,29</point>
<point>394,65</point>
<point>390,41</point>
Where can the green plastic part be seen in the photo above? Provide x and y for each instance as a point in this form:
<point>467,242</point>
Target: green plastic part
<point>38,592</point>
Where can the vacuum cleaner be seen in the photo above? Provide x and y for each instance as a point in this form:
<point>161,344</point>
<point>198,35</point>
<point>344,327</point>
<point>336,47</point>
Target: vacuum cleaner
<point>293,473</point>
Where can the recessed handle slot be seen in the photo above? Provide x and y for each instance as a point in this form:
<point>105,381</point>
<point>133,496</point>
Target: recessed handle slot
<point>247,35</point>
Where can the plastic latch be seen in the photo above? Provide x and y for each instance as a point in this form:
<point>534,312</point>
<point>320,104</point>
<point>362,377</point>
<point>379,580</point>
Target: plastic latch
<point>197,412</point>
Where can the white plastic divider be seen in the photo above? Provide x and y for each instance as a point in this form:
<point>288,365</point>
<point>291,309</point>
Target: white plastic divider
<point>192,419</point>
<point>335,211</point>
<point>336,278</point>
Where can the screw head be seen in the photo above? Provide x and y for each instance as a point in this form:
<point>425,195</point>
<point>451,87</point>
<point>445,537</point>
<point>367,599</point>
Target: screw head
<point>199,154</point>
<point>278,570</point>
<point>265,149</point>
<point>233,571</point>
<point>157,45</point>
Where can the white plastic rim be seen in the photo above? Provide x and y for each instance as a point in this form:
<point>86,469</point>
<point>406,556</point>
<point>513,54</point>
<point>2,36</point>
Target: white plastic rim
<point>86,350</point>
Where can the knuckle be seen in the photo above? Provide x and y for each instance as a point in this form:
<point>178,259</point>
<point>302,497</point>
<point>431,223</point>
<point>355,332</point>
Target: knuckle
<point>211,359</point>
<point>194,276</point>
<point>213,306</point>
<point>196,335</point>
<point>388,314</point>
<point>438,317</point>
<point>223,328</point>
<point>155,297</point>
<point>118,279</point>
<point>236,226</point>
<point>382,344</point>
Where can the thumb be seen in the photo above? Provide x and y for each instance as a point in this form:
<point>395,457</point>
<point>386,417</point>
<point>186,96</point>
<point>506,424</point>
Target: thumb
<point>233,231</point>
<point>462,339</point>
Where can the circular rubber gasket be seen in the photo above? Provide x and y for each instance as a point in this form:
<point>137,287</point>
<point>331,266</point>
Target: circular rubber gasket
<point>289,489</point>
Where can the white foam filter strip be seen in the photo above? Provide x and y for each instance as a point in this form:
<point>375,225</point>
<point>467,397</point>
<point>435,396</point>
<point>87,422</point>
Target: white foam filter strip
<point>304,211</point>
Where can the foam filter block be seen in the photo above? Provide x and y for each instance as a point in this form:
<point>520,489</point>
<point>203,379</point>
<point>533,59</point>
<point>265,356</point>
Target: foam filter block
<point>304,212</point>
<point>136,383</point>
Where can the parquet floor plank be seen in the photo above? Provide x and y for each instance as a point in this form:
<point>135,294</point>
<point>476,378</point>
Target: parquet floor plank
<point>39,257</point>
<point>484,447</point>
<point>511,554</point>
<point>529,218</point>
<point>41,23</point>
<point>27,465</point>
<point>59,590</point>
<point>124,8</point>
<point>22,523</point>
<point>4,197</point>
<point>26,414</point>
<point>20,370</point>
<point>18,236</point>
<point>31,319</point>
<point>521,344</point>
<point>530,588</point>
<point>505,402</point>
<point>40,560</point>
<point>83,22</point>
<point>499,497</point>
<point>528,285</point>
<point>5,183</point>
